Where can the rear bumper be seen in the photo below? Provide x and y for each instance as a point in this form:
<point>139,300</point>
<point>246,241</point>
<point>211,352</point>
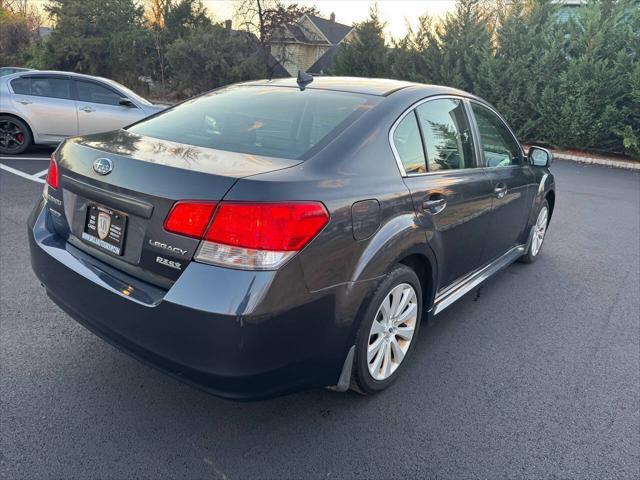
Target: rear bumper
<point>236,334</point>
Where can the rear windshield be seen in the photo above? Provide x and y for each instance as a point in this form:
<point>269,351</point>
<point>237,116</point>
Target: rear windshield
<point>270,121</point>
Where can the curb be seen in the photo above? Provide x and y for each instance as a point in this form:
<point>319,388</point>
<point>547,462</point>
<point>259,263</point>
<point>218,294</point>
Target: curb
<point>598,161</point>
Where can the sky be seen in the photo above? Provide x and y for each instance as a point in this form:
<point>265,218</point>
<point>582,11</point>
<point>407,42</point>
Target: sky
<point>395,12</point>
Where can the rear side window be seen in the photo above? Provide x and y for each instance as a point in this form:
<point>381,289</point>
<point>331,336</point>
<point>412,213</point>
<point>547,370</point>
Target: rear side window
<point>42,87</point>
<point>94,93</point>
<point>408,145</point>
<point>271,121</point>
<point>21,86</point>
<point>447,138</point>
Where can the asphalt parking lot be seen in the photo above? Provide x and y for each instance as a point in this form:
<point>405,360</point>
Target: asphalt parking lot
<point>536,374</point>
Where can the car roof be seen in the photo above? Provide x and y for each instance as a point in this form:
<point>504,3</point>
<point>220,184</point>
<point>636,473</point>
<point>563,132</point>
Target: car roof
<point>59,72</point>
<point>369,86</point>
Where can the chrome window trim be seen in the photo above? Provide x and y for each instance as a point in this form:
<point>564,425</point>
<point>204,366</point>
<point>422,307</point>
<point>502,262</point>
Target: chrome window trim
<point>412,108</point>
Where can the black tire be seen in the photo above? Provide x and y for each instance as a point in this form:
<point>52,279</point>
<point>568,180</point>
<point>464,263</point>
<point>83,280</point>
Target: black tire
<point>361,380</point>
<point>531,255</point>
<point>15,136</point>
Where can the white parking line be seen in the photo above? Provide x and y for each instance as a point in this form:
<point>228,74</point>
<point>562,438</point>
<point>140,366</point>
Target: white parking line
<point>20,173</point>
<point>24,158</point>
<point>39,174</point>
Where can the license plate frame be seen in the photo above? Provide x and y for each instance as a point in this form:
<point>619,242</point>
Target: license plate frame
<point>105,229</point>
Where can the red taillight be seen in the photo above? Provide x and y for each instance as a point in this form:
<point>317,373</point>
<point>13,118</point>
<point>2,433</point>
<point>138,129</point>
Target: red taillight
<point>255,236</point>
<point>52,173</point>
<point>189,218</point>
<point>281,227</point>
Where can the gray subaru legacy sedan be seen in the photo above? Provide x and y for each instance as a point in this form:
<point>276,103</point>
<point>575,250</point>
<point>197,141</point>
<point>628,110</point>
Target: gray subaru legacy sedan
<point>273,236</point>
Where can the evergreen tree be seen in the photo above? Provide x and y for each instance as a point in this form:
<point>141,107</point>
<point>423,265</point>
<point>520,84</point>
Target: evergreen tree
<point>454,52</point>
<point>630,132</point>
<point>464,47</point>
<point>170,20</point>
<point>416,57</point>
<point>599,110</point>
<point>98,37</point>
<point>212,56</point>
<point>429,51</point>
<point>524,69</point>
<point>367,54</point>
<point>403,60</point>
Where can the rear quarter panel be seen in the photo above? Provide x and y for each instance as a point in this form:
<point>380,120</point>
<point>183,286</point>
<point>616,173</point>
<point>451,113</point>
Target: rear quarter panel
<point>7,105</point>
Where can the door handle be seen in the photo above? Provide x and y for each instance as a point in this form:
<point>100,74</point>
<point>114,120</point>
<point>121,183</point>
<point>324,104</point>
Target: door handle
<point>434,205</point>
<point>500,190</point>
<point>24,102</point>
<point>88,109</point>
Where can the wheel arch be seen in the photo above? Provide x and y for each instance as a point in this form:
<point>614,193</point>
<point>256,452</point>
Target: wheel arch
<point>397,242</point>
<point>425,271</point>
<point>550,196</point>
<point>31,130</point>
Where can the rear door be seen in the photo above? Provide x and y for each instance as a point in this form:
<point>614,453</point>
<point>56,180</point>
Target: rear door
<point>511,178</point>
<point>46,102</point>
<point>99,108</point>
<point>452,197</point>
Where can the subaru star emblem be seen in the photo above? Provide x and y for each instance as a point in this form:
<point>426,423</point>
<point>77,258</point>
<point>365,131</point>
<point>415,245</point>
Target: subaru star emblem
<point>102,166</point>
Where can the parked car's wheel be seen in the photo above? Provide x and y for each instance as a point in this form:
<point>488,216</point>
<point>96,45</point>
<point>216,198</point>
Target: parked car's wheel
<point>388,331</point>
<point>15,136</point>
<point>539,231</point>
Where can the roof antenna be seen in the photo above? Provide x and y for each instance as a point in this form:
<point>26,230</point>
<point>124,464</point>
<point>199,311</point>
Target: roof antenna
<point>303,79</point>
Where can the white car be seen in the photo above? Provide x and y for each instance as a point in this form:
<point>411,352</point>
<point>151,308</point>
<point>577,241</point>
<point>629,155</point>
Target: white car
<point>45,107</point>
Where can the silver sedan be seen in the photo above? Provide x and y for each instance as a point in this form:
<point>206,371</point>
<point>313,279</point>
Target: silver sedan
<point>45,107</point>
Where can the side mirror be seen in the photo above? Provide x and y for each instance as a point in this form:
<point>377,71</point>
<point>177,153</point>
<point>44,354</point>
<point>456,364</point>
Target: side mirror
<point>540,157</point>
<point>125,102</point>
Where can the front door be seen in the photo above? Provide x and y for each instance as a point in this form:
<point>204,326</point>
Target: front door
<point>47,104</point>
<point>99,109</point>
<point>451,196</point>
<point>512,182</point>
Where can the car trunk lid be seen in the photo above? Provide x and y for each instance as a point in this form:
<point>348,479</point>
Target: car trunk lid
<point>146,178</point>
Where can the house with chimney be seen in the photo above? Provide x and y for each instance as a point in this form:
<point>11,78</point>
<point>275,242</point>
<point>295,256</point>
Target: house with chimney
<point>310,44</point>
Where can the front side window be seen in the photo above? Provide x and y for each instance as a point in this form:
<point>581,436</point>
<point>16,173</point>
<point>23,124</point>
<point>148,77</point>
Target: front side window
<point>447,139</point>
<point>262,120</point>
<point>43,87</point>
<point>94,93</point>
<point>408,145</point>
<point>499,147</point>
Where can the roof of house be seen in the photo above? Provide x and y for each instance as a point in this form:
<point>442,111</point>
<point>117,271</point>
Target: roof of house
<point>300,36</point>
<point>334,31</point>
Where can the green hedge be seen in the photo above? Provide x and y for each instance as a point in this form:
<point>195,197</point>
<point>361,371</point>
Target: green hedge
<point>570,84</point>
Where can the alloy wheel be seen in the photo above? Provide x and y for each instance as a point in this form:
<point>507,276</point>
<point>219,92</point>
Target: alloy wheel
<point>540,229</point>
<point>392,331</point>
<point>11,135</point>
